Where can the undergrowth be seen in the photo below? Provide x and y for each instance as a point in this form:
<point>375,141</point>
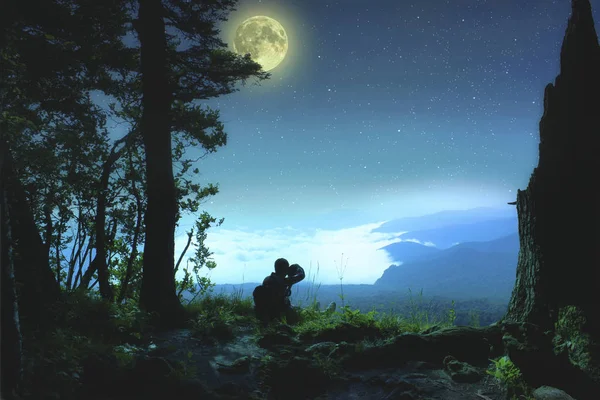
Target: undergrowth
<point>87,330</point>
<point>220,317</point>
<point>508,375</point>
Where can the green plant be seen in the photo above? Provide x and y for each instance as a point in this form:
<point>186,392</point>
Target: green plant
<point>341,269</point>
<point>509,375</point>
<point>218,317</point>
<point>185,369</point>
<point>451,315</point>
<point>330,366</point>
<point>474,319</point>
<point>505,371</point>
<point>310,297</point>
<point>125,355</point>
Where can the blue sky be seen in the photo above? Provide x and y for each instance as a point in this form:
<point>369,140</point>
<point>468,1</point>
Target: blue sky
<point>381,109</point>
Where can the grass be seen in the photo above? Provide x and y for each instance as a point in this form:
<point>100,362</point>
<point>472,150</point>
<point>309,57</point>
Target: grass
<point>220,317</point>
<point>316,324</point>
<point>88,328</point>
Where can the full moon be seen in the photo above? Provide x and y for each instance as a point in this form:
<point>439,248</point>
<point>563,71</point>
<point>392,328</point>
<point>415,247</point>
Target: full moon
<point>264,38</point>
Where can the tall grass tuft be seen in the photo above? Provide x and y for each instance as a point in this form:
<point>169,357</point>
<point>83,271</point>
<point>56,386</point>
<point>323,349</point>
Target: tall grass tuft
<point>341,269</point>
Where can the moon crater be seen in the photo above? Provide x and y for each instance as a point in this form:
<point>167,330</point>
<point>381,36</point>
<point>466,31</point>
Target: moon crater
<point>264,38</point>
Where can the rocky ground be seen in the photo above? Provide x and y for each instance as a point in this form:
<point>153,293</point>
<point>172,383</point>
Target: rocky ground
<point>277,363</point>
<point>280,365</point>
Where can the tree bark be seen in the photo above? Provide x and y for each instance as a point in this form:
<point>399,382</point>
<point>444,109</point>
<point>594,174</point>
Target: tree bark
<point>557,289</point>
<point>99,263</point>
<point>134,250</point>
<point>158,282</point>
<point>36,286</point>
<point>10,330</point>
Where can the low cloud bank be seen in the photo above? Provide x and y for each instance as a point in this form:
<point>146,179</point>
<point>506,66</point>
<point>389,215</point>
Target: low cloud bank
<point>245,255</point>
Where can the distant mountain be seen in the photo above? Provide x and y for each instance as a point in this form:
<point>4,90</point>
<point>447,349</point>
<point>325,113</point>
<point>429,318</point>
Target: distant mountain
<point>446,218</point>
<point>506,244</point>
<point>448,236</point>
<point>409,251</point>
<point>467,270</point>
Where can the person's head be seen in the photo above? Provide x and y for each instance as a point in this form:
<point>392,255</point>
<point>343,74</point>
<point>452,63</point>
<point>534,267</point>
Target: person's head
<point>281,266</point>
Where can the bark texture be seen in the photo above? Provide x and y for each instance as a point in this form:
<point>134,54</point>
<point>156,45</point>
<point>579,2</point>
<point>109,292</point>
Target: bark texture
<point>10,331</point>
<point>158,282</point>
<point>36,286</point>
<point>557,290</point>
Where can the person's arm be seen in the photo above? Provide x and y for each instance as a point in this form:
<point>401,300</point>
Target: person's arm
<point>295,274</point>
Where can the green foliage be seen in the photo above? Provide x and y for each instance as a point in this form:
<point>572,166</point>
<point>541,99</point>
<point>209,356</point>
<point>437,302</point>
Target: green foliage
<point>192,282</point>
<point>218,317</point>
<point>125,355</point>
<point>569,337</point>
<point>54,361</point>
<point>508,375</point>
<point>474,320</point>
<point>87,328</point>
<point>505,371</point>
<point>185,369</point>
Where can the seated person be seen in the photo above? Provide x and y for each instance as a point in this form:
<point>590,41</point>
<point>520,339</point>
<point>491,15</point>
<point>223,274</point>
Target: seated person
<point>272,298</point>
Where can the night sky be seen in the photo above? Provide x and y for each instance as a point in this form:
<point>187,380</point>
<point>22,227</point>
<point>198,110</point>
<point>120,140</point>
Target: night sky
<point>381,109</point>
<point>388,108</point>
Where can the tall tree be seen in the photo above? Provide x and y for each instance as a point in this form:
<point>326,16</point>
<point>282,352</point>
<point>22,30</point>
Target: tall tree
<point>158,283</point>
<point>54,54</point>
<point>177,69</point>
<point>556,295</point>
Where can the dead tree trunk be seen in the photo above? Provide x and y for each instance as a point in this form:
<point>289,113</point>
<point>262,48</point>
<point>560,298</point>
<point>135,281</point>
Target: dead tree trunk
<point>557,290</point>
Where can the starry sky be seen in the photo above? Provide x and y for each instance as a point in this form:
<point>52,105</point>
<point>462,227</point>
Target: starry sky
<point>381,109</point>
<point>387,108</point>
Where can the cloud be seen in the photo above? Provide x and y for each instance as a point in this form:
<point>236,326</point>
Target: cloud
<point>245,255</point>
<point>430,244</point>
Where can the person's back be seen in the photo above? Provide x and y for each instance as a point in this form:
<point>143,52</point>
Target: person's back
<point>269,298</point>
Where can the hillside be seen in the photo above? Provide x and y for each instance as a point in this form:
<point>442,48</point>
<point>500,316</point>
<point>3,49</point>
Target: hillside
<point>458,272</point>
<point>409,251</point>
<point>450,235</point>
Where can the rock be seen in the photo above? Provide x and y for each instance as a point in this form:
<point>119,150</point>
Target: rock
<point>461,372</point>
<point>299,376</point>
<point>390,382</point>
<point>330,308</point>
<point>191,388</point>
<point>414,375</point>
<point>98,368</point>
<point>239,366</point>
<point>343,332</point>
<point>268,340</point>
<point>431,329</point>
<point>399,394</point>
<point>471,345</point>
<point>550,393</point>
<point>232,389</point>
<point>151,369</point>
<point>323,348</point>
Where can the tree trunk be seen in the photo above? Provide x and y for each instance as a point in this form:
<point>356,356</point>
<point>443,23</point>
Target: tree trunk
<point>99,263</point>
<point>557,289</point>
<point>36,286</point>
<point>158,283</point>
<point>11,344</point>
<point>134,250</point>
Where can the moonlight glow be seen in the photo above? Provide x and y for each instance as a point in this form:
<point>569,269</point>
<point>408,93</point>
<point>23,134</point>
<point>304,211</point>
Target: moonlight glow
<point>264,38</point>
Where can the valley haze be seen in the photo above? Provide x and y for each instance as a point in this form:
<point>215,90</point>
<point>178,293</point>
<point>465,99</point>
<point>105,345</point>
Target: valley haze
<point>457,253</point>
